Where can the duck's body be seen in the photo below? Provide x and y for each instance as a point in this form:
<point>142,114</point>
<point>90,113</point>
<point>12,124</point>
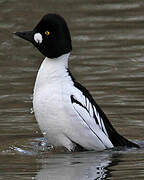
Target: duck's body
<point>64,122</point>
<point>66,112</point>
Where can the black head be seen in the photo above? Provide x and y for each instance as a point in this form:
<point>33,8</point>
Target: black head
<point>51,36</point>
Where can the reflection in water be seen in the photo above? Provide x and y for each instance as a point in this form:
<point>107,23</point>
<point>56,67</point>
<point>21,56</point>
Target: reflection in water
<point>81,166</point>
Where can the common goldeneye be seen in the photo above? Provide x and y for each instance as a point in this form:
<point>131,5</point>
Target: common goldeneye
<point>66,112</point>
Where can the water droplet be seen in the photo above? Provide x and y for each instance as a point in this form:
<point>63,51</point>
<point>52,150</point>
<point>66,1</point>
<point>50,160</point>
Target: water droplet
<point>31,111</point>
<point>44,133</point>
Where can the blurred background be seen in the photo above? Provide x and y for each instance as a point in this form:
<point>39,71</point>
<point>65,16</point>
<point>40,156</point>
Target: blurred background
<point>107,58</point>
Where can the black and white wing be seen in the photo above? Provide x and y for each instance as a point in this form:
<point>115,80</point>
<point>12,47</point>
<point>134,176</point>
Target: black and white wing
<point>85,108</point>
<point>91,122</point>
<point>94,118</point>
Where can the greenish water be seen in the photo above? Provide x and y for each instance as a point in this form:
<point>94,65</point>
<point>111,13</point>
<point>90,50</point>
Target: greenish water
<point>107,58</point>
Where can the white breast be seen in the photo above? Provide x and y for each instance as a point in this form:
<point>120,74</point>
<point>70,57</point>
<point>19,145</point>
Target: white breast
<point>48,100</point>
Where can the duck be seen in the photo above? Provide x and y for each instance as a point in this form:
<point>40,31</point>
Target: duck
<point>67,114</point>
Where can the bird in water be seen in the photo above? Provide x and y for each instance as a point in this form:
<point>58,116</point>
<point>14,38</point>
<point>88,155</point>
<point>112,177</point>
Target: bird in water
<point>66,112</point>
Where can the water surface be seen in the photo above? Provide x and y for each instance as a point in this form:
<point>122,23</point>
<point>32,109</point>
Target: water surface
<point>107,58</point>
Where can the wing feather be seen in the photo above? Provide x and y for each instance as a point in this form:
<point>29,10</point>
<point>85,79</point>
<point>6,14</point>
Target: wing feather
<point>94,115</point>
<point>85,110</point>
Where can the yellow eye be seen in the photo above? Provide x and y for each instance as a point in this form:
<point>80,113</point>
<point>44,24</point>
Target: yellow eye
<point>47,33</point>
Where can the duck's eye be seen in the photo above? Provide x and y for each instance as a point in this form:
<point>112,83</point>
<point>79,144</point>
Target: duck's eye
<point>47,33</point>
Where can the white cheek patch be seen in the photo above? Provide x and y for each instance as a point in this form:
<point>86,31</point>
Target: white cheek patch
<point>38,38</point>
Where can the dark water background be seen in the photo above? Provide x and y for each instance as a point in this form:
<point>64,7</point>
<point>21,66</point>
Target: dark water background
<point>107,57</point>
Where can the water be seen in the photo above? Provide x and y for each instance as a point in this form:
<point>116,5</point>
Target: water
<point>107,57</point>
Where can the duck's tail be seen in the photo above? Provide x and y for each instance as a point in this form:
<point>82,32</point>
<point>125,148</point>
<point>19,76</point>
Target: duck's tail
<point>120,141</point>
<point>116,139</point>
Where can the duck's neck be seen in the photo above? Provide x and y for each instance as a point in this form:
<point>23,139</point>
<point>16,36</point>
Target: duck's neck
<point>52,70</point>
